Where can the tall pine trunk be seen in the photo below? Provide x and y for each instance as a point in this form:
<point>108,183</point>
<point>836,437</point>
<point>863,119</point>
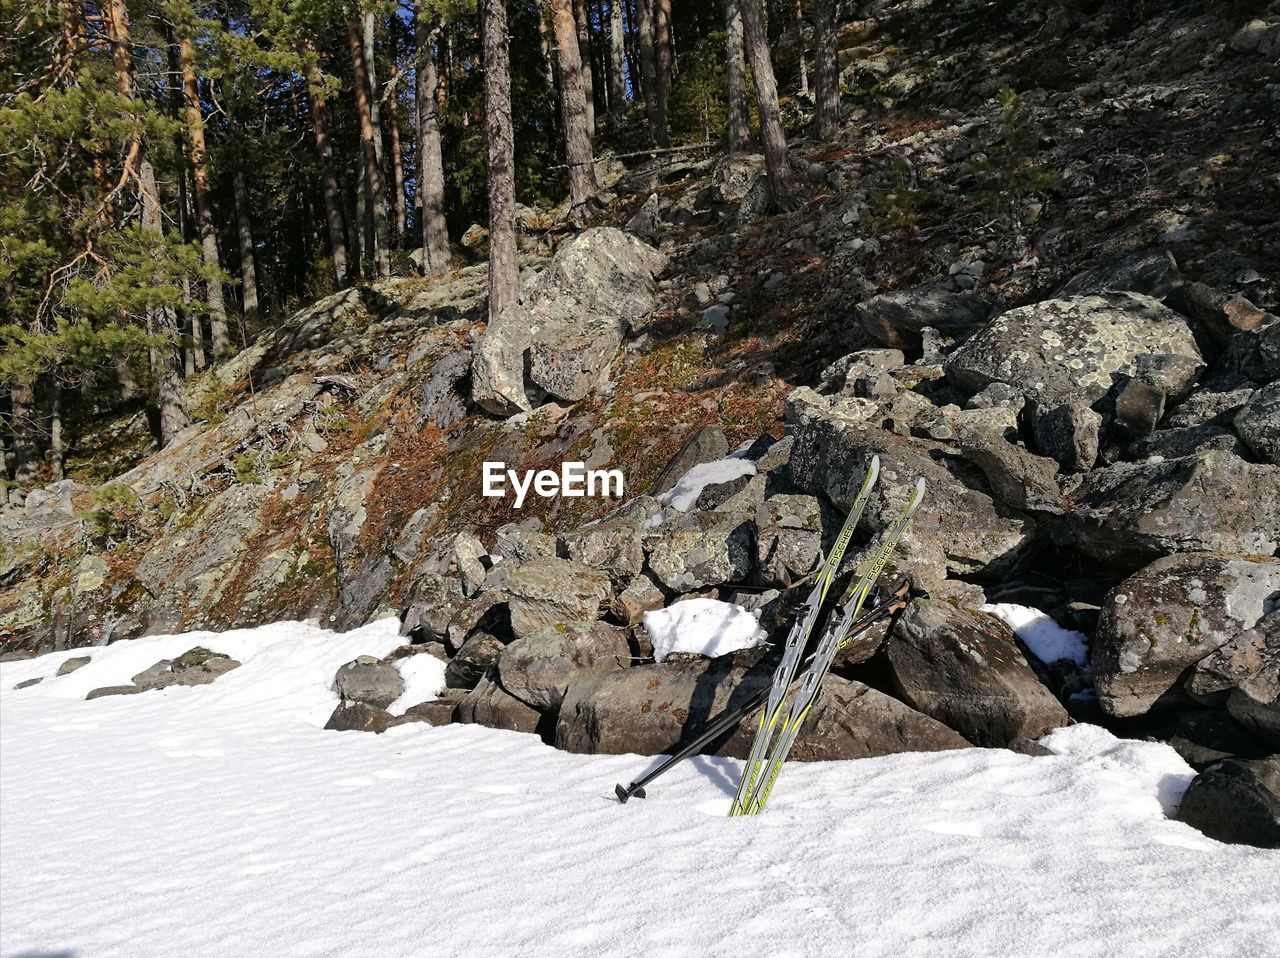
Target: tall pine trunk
<point>22,427</point>
<point>57,444</point>
<point>804,67</point>
<point>376,199</point>
<point>774,139</point>
<point>244,237</point>
<point>504,275</point>
<point>161,322</point>
<point>648,68</point>
<point>736,67</point>
<point>335,220</point>
<point>435,232</point>
<point>664,62</point>
<point>573,111</point>
<point>826,70</point>
<point>579,14</point>
<point>617,78</point>
<point>397,157</point>
<point>204,201</point>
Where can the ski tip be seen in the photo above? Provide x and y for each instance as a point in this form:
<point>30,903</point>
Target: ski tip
<point>626,794</point>
<point>920,484</point>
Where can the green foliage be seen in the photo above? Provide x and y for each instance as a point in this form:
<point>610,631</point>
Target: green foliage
<point>1010,165</point>
<point>116,515</point>
<point>897,209</point>
<point>697,109</point>
<point>331,421</point>
<point>245,468</point>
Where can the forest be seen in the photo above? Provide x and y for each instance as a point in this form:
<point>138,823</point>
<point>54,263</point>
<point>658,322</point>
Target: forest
<point>176,176</point>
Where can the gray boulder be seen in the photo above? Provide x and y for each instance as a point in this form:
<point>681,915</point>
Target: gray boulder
<point>640,596</point>
<point>612,546</point>
<point>788,538</point>
<point>1220,314</point>
<point>706,445</point>
<point>1067,432</point>
<point>490,705</point>
<point>1258,423</point>
<point>709,549</point>
<point>1153,272</point>
<point>1078,348</point>
<point>466,553</point>
<point>1202,738</point>
<point>540,667</point>
<point>966,670</point>
<point>1187,441</point>
<point>369,681</point>
<point>546,592</point>
<point>1161,621</point>
<point>478,654</point>
<point>441,711</point>
<point>1237,802</point>
<point>1019,478</point>
<point>1128,514</point>
<point>70,665</point>
<point>1253,652</point>
<point>559,339</point>
<point>359,717</point>
<point>896,319</point>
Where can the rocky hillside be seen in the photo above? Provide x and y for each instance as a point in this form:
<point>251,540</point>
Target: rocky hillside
<point>1058,307</point>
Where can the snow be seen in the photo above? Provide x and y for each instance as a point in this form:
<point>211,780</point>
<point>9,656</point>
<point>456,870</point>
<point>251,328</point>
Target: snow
<point>222,820</point>
<point>1048,641</point>
<point>684,494</point>
<point>423,676</point>
<point>706,626</point>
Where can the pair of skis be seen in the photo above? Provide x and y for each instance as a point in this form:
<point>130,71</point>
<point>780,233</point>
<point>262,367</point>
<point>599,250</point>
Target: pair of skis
<point>777,734</point>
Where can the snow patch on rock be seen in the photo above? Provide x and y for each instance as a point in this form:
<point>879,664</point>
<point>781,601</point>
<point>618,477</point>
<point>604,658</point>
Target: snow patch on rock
<point>706,626</point>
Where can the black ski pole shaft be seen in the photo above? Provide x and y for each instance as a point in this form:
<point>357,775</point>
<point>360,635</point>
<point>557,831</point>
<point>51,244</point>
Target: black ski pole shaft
<point>728,720</point>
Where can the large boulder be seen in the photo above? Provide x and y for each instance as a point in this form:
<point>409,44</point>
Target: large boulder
<point>654,709</point>
<point>1153,272</point>
<point>1212,501</point>
<point>540,667</point>
<point>369,681</point>
<point>708,549</point>
<point>1258,423</point>
<point>1237,802</point>
<point>833,449</point>
<point>896,319</point>
<point>788,538</point>
<point>1080,347</point>
<point>546,592</point>
<point>1161,621</point>
<point>966,670</point>
<point>560,338</point>
<point>492,706</point>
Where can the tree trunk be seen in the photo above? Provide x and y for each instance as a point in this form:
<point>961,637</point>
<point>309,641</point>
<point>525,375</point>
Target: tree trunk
<point>804,67</point>
<point>435,232</point>
<point>368,31</point>
<point>125,378</point>
<point>631,43</point>
<point>663,56</point>
<point>826,71</point>
<point>397,158</point>
<point>736,66</point>
<point>573,101</point>
<point>648,67</point>
<point>617,79</point>
<point>776,163</point>
<point>504,275</point>
<point>334,218</point>
<point>162,322</point>
<point>369,141</point>
<point>244,234</point>
<point>22,425</point>
<point>204,201</point>
<point>579,13</point>
<point>57,447</point>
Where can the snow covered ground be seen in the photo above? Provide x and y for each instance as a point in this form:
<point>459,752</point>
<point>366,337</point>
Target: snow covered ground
<point>222,820</point>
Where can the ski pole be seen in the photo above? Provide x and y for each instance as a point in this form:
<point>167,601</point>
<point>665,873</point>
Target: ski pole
<point>895,603</point>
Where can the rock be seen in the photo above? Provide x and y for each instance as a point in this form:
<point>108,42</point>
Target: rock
<point>521,544</point>
<point>467,553</point>
<point>646,222</point>
<point>369,681</point>
<point>755,205</point>
<point>27,683</point>
<point>539,668</point>
<point>1251,653</point>
<point>788,538</point>
<point>1258,423</point>
<point>610,546</point>
<point>1208,406</point>
<point>653,709</point>
<point>490,705</point>
<point>1075,348</point>
<point>196,666</point>
<point>475,237</point>
<point>640,596</point>
<point>896,318</point>
<point>733,175</point>
<point>1221,315</point>
<point>1169,616</point>
<point>73,663</point>
<point>1153,272</point>
<point>560,338</point>
<point>478,654</point>
<point>1187,441</point>
<point>1128,514</point>
<point>359,717</point>
<point>1255,704</point>
<point>112,690</point>
<point>1237,802</point>
<point>1202,738</point>
<point>1139,407</point>
<point>716,548</point>
<point>965,669</point>
<point>441,396</point>
<point>1257,36</point>
<point>1018,478</point>
<point>1067,432</point>
<point>706,445</point>
<point>441,711</point>
<point>554,591</point>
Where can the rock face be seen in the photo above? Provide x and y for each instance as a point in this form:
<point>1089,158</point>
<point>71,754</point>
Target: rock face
<point>559,339</point>
<point>539,668</point>
<point>1237,802</point>
<point>965,669</point>
<point>1166,618</point>
<point>896,319</point>
<point>546,592</point>
<point>1153,272</point>
<point>1212,501</point>
<point>1078,347</point>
